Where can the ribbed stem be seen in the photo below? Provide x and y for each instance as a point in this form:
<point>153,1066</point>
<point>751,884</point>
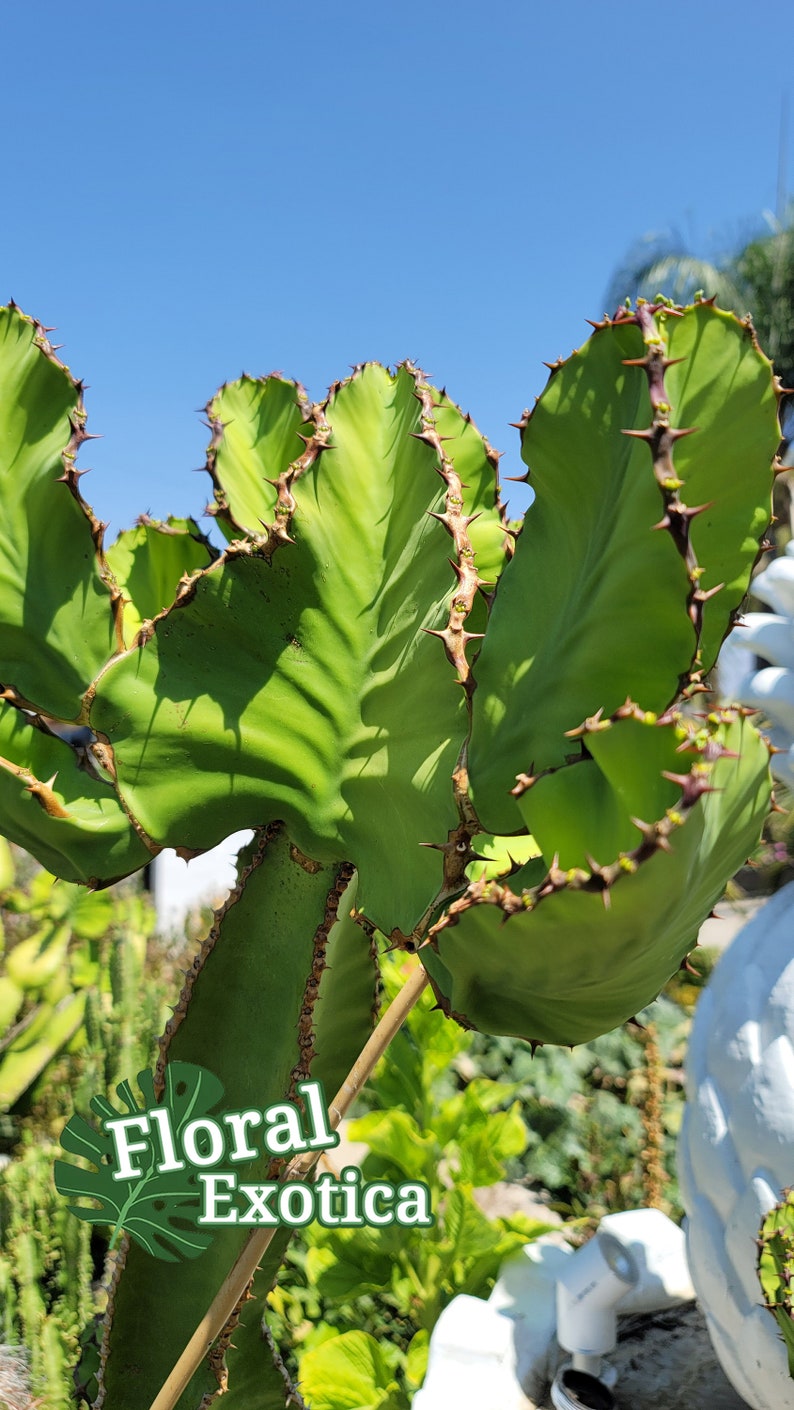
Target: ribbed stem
<point>239,1276</point>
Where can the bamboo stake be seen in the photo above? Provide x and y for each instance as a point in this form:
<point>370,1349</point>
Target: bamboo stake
<point>257,1243</point>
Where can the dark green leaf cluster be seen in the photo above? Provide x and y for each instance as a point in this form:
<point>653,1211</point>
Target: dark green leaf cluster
<point>584,1112</point>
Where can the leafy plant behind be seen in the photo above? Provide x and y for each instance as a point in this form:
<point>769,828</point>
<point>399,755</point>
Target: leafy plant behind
<point>424,1123</point>
<point>50,1264</point>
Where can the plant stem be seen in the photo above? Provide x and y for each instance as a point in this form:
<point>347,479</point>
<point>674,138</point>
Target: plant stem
<point>653,1169</point>
<point>257,1243</point>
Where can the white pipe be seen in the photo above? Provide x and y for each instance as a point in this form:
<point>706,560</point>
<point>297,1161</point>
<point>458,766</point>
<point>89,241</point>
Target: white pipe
<point>591,1365</point>
<point>588,1291</point>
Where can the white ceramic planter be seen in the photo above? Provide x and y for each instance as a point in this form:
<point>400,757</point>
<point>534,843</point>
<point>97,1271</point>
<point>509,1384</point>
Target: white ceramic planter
<point>769,635</point>
<point>736,1149</point>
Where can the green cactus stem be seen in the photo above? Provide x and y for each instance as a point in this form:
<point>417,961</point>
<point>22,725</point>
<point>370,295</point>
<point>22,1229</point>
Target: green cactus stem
<point>230,1297</point>
<point>776,1268</point>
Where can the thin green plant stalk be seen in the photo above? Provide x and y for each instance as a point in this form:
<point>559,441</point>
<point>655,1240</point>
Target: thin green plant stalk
<point>234,1285</point>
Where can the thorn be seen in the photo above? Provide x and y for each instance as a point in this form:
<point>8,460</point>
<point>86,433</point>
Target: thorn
<point>523,782</point>
<point>592,725</point>
<point>684,781</point>
<point>69,476</point>
<point>712,592</point>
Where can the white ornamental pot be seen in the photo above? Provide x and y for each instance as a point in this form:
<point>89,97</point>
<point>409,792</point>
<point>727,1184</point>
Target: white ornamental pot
<point>736,1149</point>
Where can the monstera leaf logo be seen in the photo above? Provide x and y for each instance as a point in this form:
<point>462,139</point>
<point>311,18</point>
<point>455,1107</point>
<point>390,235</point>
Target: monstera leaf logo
<point>158,1208</point>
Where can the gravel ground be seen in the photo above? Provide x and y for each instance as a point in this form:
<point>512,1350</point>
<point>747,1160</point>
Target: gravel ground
<point>665,1361</point>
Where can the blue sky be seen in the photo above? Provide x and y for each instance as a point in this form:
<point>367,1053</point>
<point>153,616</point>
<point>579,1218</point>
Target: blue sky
<point>194,189</point>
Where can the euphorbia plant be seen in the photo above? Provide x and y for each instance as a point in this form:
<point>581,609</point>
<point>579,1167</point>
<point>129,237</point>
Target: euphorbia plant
<point>507,764</point>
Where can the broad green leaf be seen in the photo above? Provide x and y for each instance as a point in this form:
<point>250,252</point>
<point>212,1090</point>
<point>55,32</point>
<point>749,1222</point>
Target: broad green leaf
<point>347,1373</point>
<point>469,1232</point>
<point>69,819</point>
<point>594,606</point>
<point>88,914</point>
<point>472,1107</point>
<point>306,688</point>
<point>396,1138</point>
<point>158,1209</point>
<point>485,1147</point>
<point>56,624</point>
<point>351,1262</point>
<point>416,1359</point>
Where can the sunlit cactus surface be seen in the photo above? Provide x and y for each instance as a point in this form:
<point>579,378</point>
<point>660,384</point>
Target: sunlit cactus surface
<point>491,745</point>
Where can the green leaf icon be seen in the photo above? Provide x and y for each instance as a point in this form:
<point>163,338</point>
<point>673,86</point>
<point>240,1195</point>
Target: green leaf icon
<point>156,1208</point>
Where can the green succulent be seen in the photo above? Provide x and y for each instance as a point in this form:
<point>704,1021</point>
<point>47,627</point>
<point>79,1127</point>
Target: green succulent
<point>500,764</point>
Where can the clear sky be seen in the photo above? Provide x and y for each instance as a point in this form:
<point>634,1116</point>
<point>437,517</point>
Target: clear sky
<point>194,189</point>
